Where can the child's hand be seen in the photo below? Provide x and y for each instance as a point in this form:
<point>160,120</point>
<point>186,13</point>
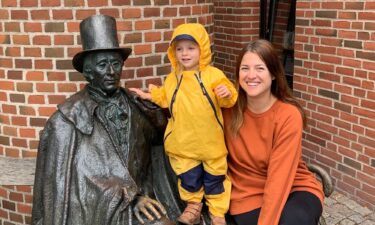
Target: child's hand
<point>142,94</point>
<point>221,91</point>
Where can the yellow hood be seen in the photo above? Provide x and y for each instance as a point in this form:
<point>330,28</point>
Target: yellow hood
<point>199,33</point>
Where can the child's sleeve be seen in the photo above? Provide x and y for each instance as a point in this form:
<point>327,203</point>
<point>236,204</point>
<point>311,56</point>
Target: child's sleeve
<point>226,102</point>
<point>158,96</point>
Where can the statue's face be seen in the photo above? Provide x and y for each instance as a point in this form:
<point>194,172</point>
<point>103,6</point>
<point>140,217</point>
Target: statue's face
<point>105,70</point>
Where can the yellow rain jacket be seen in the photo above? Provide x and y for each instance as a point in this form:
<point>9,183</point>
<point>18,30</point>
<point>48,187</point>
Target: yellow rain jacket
<point>195,129</point>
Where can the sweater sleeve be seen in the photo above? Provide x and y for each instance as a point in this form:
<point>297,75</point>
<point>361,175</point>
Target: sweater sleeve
<point>282,167</point>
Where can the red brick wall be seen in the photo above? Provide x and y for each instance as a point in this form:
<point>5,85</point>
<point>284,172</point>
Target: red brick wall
<point>335,80</point>
<point>16,204</point>
<point>235,24</point>
<point>39,38</point>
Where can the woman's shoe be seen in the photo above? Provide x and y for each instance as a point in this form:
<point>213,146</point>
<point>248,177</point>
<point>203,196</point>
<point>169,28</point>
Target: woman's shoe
<point>191,214</point>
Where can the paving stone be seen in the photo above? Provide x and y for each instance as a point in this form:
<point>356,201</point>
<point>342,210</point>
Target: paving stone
<point>347,222</point>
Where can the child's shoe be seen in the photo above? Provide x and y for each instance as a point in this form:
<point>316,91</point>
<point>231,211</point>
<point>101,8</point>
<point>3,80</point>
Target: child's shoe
<point>215,220</point>
<point>191,214</point>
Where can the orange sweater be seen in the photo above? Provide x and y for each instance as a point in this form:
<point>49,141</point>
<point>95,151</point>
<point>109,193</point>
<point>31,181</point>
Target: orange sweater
<point>265,163</point>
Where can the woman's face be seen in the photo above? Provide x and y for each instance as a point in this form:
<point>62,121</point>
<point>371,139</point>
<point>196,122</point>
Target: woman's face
<point>254,77</point>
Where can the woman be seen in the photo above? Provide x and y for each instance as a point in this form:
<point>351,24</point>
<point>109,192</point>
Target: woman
<point>271,183</point>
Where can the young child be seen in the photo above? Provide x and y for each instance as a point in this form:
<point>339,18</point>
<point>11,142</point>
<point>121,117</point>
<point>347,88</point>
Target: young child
<point>194,93</point>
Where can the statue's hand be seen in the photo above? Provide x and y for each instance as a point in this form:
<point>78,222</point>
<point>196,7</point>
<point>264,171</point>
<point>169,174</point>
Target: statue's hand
<point>144,205</point>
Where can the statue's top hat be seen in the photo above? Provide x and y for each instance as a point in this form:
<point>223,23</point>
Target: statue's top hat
<point>98,33</point>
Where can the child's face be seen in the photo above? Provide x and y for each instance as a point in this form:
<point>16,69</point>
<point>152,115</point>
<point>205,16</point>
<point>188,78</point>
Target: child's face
<point>187,54</point>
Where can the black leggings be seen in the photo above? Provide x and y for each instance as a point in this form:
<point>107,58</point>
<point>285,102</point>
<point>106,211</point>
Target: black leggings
<point>301,208</point>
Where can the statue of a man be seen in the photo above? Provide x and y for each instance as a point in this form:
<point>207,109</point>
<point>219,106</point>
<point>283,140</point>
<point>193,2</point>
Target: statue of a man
<point>93,165</point>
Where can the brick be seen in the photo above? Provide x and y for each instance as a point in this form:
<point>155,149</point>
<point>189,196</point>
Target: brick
<point>33,52</point>
<point>64,64</point>
<point>347,15</point>
<point>43,64</point>
<point>29,154</point>
<point>75,76</point>
<point>24,208</point>
<point>11,109</point>
<point>110,12</point>
<point>56,76</point>
<point>56,99</point>
<point>54,52</point>
<point>50,3</point>
<point>4,140</point>
<point>18,15</point>
<point>20,98</point>
<point>133,38</point>
<point>326,14</point>
<point>161,47</point>
<point>152,36</point>
<point>35,76</point>
<point>6,85</point>
<point>46,111</point>
<point>152,60</point>
<point>45,87</point>
<point>41,40</point>
<point>62,14</point>
<point>131,13</point>
<point>37,122</point>
<point>40,14</point>
<point>121,2</point>
<point>82,14</point>
<point>8,205</point>
<point>10,131</point>
<point>28,3</point>
<point>169,12</point>
<point>353,44</point>
<point>142,2</point>
<point>12,27</point>
<point>54,27</point>
<point>16,197</point>
<point>6,63</point>
<point>144,72</point>
<point>9,3</point>
<point>27,133</point>
<point>27,110</point>
<point>369,26</point>
<point>74,3</point>
<point>33,145</point>
<point>97,3</point>
<point>18,120</point>
<point>64,87</point>
<point>366,16</point>
<point>162,24</point>
<point>329,94</point>
<point>151,12</point>
<point>4,39</point>
<point>143,25</point>
<point>11,152</point>
<point>63,39</point>
<point>32,27</point>
<point>142,49</point>
<point>15,217</point>
<point>24,87</point>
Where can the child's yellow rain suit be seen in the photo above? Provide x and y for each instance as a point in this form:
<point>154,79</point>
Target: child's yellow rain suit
<point>194,138</point>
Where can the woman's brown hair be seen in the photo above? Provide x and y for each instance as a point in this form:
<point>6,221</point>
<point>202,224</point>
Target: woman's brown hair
<point>279,86</point>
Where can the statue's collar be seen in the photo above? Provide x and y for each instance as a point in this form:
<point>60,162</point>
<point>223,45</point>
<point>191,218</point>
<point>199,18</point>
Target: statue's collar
<point>79,109</point>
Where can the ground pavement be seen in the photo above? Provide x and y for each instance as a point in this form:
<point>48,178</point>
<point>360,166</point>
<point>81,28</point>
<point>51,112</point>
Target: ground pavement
<point>338,209</point>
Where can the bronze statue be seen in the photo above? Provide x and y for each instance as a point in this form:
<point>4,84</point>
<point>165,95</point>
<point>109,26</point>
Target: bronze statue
<point>94,159</point>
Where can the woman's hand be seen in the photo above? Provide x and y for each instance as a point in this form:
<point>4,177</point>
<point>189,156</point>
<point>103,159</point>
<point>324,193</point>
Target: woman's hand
<point>145,205</point>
